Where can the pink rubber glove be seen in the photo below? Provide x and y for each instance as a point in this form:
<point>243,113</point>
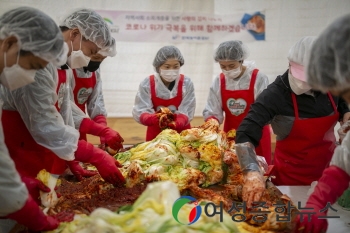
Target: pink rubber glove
<point>149,119</point>
<point>32,217</point>
<point>34,187</point>
<point>100,119</point>
<point>329,188</point>
<point>80,172</point>
<point>105,164</point>
<point>113,139</point>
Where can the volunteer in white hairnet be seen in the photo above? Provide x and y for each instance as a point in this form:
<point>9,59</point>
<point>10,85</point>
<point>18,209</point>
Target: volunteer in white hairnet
<point>24,49</point>
<point>88,36</point>
<point>87,91</point>
<point>303,120</point>
<point>47,141</point>
<point>329,70</point>
<point>166,88</point>
<point>235,89</point>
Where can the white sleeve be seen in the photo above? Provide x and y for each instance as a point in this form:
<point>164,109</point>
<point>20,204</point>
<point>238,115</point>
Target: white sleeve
<point>188,103</point>
<point>13,193</point>
<point>261,83</point>
<point>95,104</point>
<point>36,105</point>
<point>341,156</point>
<point>66,108</point>
<point>143,102</point>
<point>213,107</point>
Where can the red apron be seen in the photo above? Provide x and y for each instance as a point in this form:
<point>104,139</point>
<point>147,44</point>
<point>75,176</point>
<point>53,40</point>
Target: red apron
<point>236,105</point>
<point>82,91</point>
<point>153,131</point>
<point>306,152</point>
<point>28,155</point>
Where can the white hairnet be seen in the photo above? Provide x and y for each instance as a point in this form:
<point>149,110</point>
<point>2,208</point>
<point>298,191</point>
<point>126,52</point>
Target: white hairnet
<point>165,53</point>
<point>300,51</point>
<point>36,33</point>
<point>91,25</point>
<point>233,50</point>
<point>329,64</point>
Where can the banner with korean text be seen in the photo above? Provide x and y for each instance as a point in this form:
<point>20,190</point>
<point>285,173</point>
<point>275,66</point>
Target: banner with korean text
<point>137,26</point>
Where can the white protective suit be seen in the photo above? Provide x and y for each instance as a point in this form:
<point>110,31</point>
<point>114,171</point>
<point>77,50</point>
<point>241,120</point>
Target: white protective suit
<point>341,156</point>
<point>95,104</point>
<point>143,101</point>
<point>213,106</point>
<point>13,192</point>
<point>36,105</point>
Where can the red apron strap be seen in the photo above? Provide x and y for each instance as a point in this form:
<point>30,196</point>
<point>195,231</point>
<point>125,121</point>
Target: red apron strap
<point>153,86</point>
<point>252,81</point>
<point>332,101</point>
<point>295,106</point>
<point>180,85</point>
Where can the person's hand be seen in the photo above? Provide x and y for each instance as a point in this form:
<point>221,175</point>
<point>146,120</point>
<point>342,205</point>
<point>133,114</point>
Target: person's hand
<point>100,119</point>
<point>149,119</point>
<point>329,188</point>
<point>106,165</point>
<point>310,222</point>
<point>253,187</point>
<point>33,217</point>
<point>110,136</point>
<point>34,187</point>
<point>78,171</point>
<point>346,117</point>
<point>343,130</point>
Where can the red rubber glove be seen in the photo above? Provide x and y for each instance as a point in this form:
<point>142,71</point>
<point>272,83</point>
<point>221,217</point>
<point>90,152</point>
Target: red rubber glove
<point>149,119</point>
<point>34,187</point>
<point>113,139</point>
<point>105,164</point>
<point>329,188</point>
<point>181,121</point>
<point>100,119</point>
<point>80,172</point>
<point>32,217</point>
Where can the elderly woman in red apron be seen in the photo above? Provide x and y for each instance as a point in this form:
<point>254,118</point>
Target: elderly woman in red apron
<point>167,88</point>
<point>24,49</point>
<point>234,90</point>
<point>328,70</point>
<point>303,120</point>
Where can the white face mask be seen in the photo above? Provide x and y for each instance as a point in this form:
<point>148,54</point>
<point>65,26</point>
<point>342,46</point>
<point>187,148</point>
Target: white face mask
<point>15,76</point>
<point>234,73</point>
<point>298,87</point>
<point>169,75</point>
<point>77,59</point>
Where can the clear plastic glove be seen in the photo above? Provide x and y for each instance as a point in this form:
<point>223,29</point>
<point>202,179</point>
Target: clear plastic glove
<point>253,187</point>
<point>80,172</point>
<point>343,130</point>
<point>34,187</point>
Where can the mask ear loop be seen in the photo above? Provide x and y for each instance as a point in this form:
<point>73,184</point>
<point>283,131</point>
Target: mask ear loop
<point>17,58</point>
<point>81,38</point>
<point>5,60</point>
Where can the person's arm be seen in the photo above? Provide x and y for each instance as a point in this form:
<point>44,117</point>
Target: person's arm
<point>261,83</point>
<point>36,105</point>
<point>143,111</point>
<point>261,113</point>
<point>334,181</point>
<point>95,104</point>
<point>213,107</point>
<point>186,110</point>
